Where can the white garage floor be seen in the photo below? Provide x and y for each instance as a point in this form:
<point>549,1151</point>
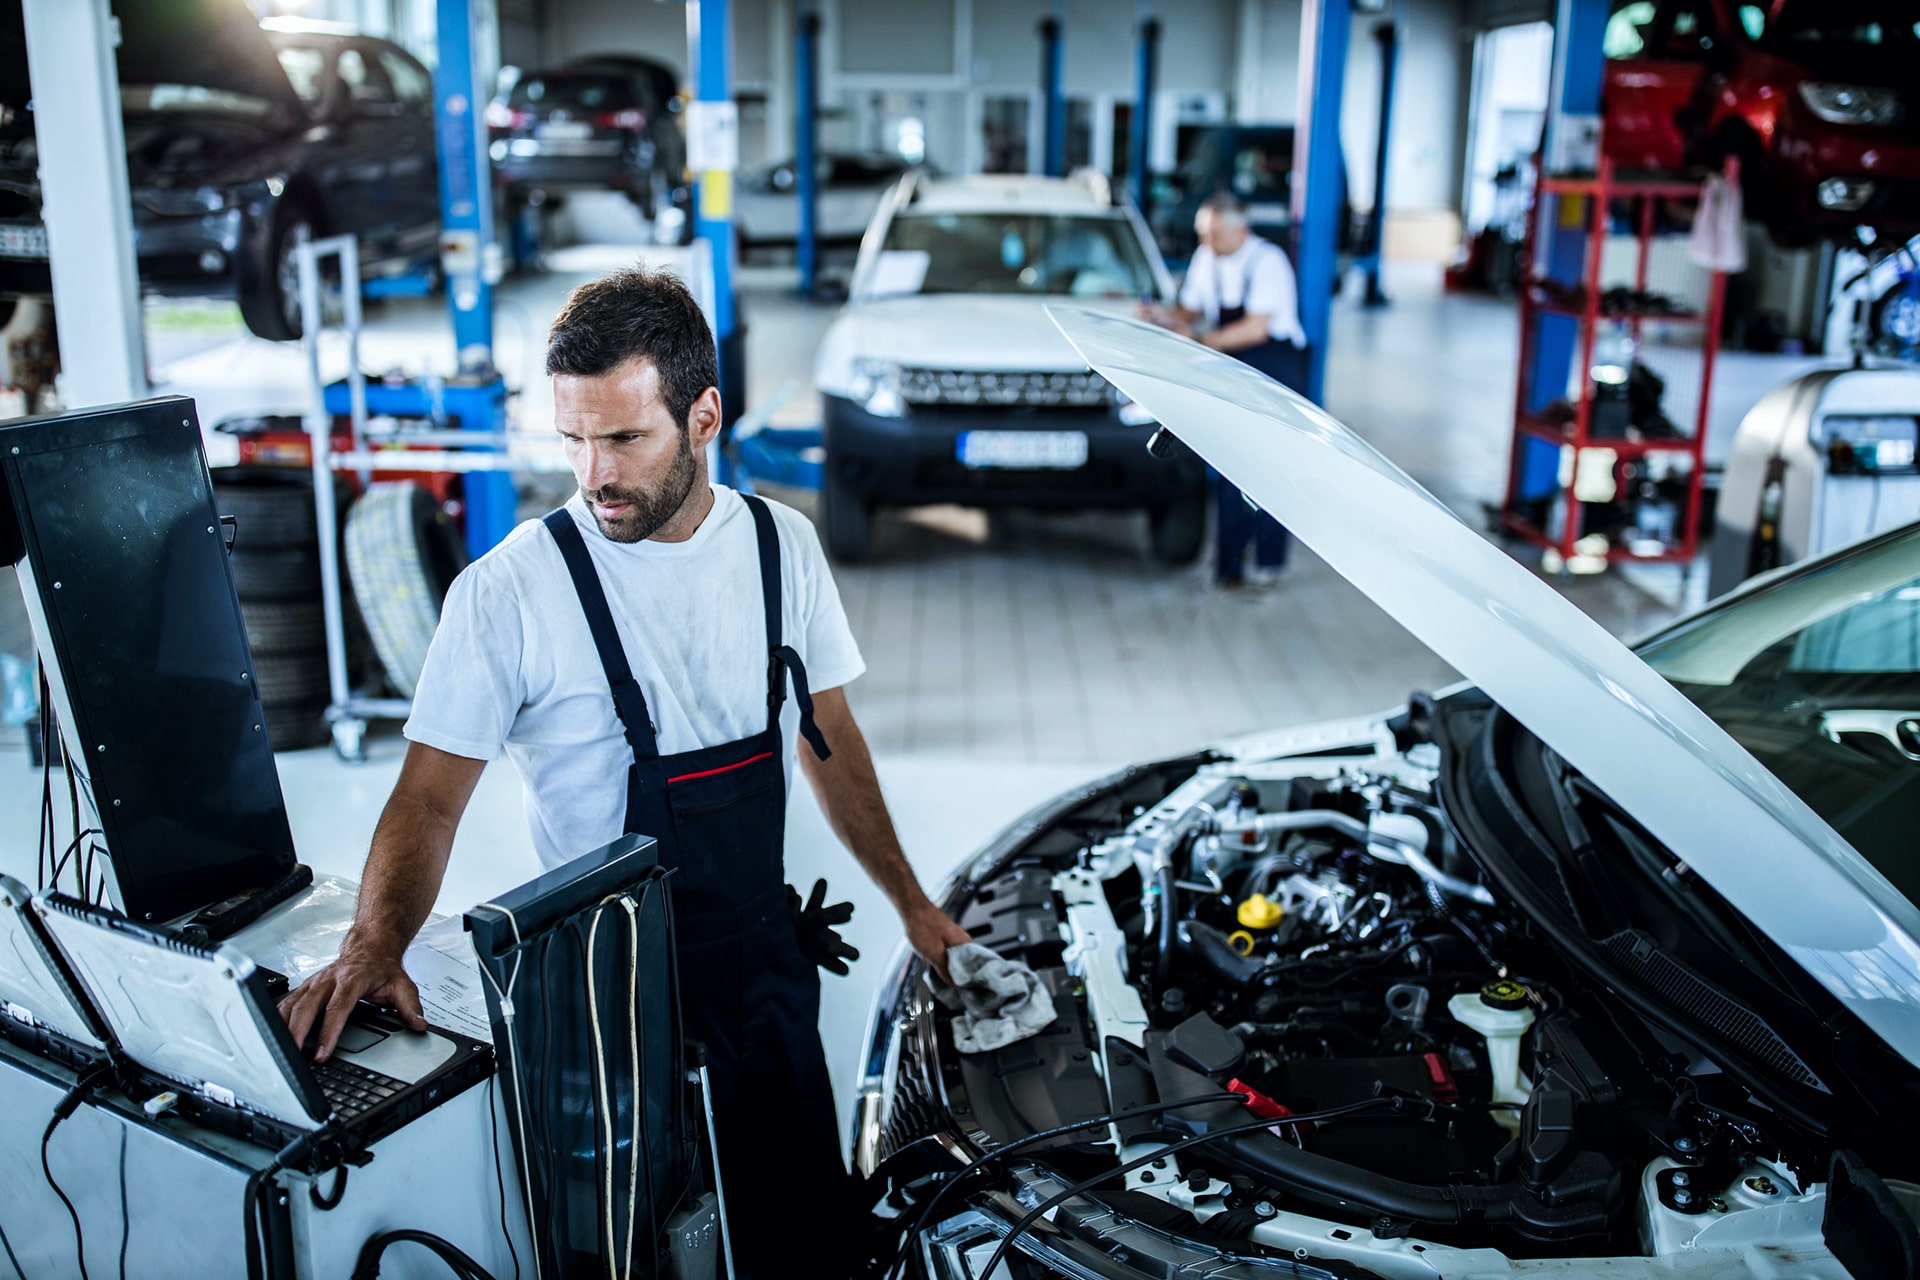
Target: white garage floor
<point>1008,657</point>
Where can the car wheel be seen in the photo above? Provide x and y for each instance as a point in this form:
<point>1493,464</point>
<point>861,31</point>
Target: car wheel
<point>849,521</point>
<point>284,626</point>
<point>267,512</point>
<point>270,301</point>
<point>1179,530</point>
<point>276,573</point>
<point>402,556</point>
<point>1895,319</point>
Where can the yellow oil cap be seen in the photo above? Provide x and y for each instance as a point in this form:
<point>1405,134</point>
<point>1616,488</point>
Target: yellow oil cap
<point>1259,912</point>
<point>1242,941</point>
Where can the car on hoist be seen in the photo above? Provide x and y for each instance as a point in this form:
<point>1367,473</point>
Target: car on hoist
<point>241,142</point>
<point>1607,962</point>
<point>1814,97</point>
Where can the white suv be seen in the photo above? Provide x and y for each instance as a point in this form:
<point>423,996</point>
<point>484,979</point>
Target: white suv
<point>944,380</point>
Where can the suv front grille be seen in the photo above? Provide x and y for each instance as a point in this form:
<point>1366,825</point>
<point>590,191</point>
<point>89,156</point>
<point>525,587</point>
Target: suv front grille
<point>1084,389</point>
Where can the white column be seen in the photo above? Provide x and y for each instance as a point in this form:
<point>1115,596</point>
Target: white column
<point>83,196</point>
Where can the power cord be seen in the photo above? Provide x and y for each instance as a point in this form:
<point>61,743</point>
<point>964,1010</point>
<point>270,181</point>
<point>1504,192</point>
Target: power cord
<point>66,1107</point>
<point>367,1267</point>
<point>499,1174</point>
<point>8,1247</point>
<point>504,998</point>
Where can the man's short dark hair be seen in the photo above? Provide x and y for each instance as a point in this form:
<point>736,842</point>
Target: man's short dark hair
<point>637,313</point>
<point>1225,202</point>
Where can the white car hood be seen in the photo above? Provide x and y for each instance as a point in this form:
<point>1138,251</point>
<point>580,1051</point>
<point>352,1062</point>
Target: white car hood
<point>1554,669</point>
<point>962,331</point>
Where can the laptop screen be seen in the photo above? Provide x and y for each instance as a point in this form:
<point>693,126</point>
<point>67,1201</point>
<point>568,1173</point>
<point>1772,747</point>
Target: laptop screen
<point>196,1016</point>
<point>31,983</point>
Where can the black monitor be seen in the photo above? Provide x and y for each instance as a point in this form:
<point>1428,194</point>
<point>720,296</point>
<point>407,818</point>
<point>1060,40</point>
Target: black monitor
<point>108,516</point>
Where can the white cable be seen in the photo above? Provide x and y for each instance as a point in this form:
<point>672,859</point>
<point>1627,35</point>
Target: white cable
<point>633,1067</point>
<point>600,1087</point>
<point>505,999</point>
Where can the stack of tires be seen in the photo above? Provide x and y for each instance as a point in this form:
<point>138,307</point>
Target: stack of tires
<point>276,572</point>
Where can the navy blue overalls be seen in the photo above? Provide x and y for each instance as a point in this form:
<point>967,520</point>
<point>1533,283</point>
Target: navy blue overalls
<point>746,992</point>
<point>1236,524</point>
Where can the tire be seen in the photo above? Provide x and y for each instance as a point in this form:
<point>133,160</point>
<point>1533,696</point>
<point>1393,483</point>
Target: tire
<point>289,679</point>
<point>276,573</point>
<point>401,557</point>
<point>268,513</point>
<point>281,627</point>
<point>1178,532</point>
<point>848,519</point>
<point>269,295</point>
<point>298,727</point>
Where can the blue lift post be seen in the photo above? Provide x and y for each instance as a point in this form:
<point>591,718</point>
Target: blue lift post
<point>713,152</point>
<point>1326,26</point>
<point>1053,98</point>
<point>806,137</point>
<point>1387,36</point>
<point>476,395</point>
<point>1146,71</point>
<point>1579,69</point>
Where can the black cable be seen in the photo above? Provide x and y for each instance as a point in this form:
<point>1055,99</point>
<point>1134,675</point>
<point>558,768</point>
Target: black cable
<point>332,1199</point>
<point>8,1247</point>
<point>126,1228</point>
<point>1161,1153</point>
<point>926,1214</point>
<point>367,1267</point>
<point>499,1176</point>
<point>66,1107</point>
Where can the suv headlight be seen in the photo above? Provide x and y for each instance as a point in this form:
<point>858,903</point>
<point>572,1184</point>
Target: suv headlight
<point>875,385</point>
<point>1852,103</point>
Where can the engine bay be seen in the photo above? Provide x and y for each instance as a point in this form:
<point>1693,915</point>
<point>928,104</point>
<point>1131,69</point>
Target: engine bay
<point>1306,938</point>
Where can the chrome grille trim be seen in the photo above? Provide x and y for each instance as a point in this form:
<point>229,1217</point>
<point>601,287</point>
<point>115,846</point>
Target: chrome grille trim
<point>1052,389</point>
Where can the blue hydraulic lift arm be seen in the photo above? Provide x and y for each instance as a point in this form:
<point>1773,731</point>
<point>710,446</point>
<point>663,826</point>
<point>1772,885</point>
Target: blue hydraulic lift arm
<point>806,136</point>
<point>1326,26</point>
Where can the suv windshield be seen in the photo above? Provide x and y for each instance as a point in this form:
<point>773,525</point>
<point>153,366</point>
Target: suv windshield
<point>1818,675</point>
<point>1076,255</point>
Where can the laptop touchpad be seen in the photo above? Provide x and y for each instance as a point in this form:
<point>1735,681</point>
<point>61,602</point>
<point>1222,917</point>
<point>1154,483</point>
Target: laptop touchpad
<point>405,1056</point>
<point>358,1039</point>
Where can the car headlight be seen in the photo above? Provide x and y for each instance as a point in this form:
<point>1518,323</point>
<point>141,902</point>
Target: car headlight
<point>1852,103</point>
<point>876,386</point>
<point>187,202</point>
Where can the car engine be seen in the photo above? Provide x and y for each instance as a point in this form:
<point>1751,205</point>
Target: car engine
<point>1304,938</point>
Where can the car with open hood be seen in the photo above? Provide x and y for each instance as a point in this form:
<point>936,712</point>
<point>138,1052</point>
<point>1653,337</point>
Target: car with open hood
<point>1604,961</point>
<point>241,142</point>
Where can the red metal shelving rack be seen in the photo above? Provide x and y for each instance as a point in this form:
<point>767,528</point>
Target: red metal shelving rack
<point>1600,192</point>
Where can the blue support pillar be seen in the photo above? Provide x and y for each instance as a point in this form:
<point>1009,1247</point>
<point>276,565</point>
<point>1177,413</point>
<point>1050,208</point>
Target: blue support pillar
<point>1318,207</point>
<point>806,131</point>
<point>466,237</point>
<point>1053,99</point>
<point>1387,36</point>
<point>713,152</point>
<point>1146,72</point>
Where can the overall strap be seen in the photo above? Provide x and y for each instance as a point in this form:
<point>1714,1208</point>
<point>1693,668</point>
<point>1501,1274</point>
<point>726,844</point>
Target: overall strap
<point>782,660</point>
<point>629,703</point>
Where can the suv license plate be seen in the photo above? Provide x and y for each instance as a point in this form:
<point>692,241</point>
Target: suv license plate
<point>23,240</point>
<point>565,131</point>
<point>1024,450</point>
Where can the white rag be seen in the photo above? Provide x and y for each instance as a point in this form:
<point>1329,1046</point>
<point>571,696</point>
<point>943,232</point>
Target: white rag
<point>1001,1001</point>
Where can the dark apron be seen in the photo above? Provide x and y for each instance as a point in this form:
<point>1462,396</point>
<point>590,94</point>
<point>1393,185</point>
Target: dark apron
<point>746,992</point>
<point>1235,523</point>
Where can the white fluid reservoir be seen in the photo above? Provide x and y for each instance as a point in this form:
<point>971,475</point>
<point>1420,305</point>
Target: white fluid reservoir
<point>1501,1012</point>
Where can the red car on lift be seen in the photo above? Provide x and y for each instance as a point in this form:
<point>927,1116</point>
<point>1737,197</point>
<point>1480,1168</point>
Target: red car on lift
<point>1820,100</point>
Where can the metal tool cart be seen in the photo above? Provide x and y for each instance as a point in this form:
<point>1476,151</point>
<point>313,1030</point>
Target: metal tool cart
<point>1610,469</point>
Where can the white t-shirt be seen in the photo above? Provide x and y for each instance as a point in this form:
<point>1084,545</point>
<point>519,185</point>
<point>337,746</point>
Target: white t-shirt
<point>1256,276</point>
<point>513,664</point>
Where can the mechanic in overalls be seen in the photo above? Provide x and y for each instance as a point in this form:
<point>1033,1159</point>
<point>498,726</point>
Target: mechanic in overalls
<point>634,653</point>
<point>1242,288</point>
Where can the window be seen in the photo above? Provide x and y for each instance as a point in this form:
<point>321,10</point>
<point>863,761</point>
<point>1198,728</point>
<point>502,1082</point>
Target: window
<point>305,67</point>
<point>1754,19</point>
<point>363,81</point>
<point>410,81</point>
<point>1078,256</point>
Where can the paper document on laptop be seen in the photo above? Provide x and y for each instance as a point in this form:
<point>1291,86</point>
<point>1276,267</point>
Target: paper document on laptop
<point>442,964</point>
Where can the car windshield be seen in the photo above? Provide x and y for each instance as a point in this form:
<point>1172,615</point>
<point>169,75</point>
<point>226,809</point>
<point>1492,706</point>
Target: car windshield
<point>194,99</point>
<point>1818,676</point>
<point>1074,255</point>
<point>304,65</point>
<point>585,92</point>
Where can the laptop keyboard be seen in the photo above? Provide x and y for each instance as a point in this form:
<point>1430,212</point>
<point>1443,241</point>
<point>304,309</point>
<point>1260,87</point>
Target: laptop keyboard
<point>352,1089</point>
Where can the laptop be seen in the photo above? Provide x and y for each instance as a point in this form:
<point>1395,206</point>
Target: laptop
<point>201,1022</point>
<point>40,1008</point>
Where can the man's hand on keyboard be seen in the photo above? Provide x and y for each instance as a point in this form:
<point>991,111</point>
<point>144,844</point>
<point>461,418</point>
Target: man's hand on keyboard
<point>319,1007</point>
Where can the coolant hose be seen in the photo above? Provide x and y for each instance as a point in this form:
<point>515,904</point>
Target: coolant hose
<point>1210,947</point>
<point>1163,962</point>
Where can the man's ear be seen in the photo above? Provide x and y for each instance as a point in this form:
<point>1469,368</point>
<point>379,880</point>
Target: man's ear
<point>703,419</point>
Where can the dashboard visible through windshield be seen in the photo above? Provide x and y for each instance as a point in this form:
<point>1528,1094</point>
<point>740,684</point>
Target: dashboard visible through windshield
<point>1064,255</point>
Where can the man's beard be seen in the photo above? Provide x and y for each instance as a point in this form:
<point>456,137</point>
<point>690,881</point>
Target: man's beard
<point>646,511</point>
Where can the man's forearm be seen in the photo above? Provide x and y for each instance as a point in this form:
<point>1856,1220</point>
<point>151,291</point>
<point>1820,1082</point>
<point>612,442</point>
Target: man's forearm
<point>405,866</point>
<point>849,792</point>
<point>1247,331</point>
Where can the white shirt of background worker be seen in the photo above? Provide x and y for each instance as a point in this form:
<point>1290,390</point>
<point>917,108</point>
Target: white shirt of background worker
<point>1235,269</point>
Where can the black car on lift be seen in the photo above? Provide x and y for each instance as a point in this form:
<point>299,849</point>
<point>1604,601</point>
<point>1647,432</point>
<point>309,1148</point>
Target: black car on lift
<point>240,143</point>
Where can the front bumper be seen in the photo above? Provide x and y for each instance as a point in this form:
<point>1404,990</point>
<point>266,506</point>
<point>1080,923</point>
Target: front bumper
<point>571,173</point>
<point>1808,155</point>
<point>914,460</point>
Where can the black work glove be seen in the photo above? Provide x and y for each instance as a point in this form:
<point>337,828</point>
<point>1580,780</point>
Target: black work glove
<point>813,927</point>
